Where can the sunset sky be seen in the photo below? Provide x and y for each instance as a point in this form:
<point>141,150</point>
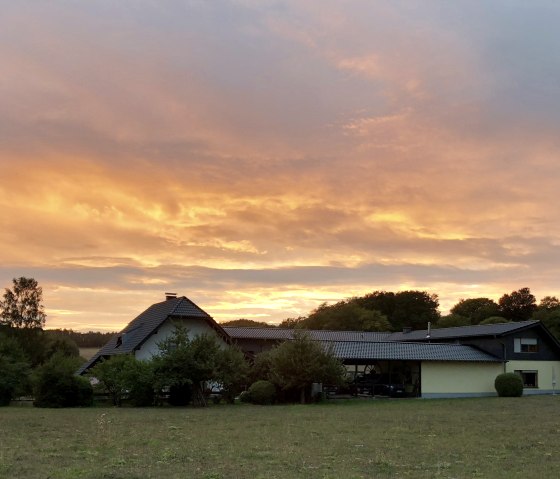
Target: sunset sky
<point>262,157</point>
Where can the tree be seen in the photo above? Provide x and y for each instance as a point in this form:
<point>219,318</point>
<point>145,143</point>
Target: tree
<point>14,370</point>
<point>292,323</point>
<point>518,306</point>
<point>549,303</point>
<point>476,309</point>
<point>346,315</point>
<point>55,384</point>
<point>414,309</point>
<point>185,363</point>
<point>124,376</point>
<point>62,344</point>
<point>405,308</point>
<point>453,320</point>
<point>21,307</point>
<point>232,372</point>
<point>299,363</point>
<point>494,320</point>
<point>382,301</point>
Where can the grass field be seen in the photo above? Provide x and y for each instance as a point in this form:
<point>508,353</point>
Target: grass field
<point>462,438</point>
<point>87,353</point>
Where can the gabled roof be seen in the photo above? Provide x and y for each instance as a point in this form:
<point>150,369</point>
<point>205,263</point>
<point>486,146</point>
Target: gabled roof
<point>392,350</point>
<point>142,327</point>
<point>479,330</point>
<point>281,334</point>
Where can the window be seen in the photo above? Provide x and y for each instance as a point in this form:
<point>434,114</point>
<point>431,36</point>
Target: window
<point>525,345</point>
<point>530,378</point>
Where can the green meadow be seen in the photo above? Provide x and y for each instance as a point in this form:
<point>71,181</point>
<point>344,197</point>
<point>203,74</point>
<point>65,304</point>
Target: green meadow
<point>461,438</point>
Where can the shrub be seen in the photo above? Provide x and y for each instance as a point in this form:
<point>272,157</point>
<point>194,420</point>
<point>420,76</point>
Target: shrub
<point>124,376</point>
<point>509,385</point>
<point>260,392</point>
<point>56,385</point>
<point>14,370</point>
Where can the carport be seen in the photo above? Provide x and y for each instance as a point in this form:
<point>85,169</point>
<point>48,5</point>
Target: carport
<point>442,364</point>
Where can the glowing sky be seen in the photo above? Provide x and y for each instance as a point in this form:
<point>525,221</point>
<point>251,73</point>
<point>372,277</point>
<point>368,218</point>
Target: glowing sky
<point>261,156</point>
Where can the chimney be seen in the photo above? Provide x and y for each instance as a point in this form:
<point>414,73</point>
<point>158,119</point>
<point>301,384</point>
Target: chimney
<point>429,335</point>
<point>169,296</point>
<point>406,329</point>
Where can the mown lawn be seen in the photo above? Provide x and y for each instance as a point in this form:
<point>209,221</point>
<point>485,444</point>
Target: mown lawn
<point>463,438</point>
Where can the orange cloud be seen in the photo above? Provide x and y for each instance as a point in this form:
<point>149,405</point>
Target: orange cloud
<point>265,164</point>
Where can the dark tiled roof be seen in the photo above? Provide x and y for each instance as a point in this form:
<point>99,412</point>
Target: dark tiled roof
<point>141,327</point>
<point>390,350</point>
<point>463,331</point>
<point>280,334</point>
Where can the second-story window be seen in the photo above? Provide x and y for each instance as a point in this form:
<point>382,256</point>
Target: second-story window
<point>525,345</point>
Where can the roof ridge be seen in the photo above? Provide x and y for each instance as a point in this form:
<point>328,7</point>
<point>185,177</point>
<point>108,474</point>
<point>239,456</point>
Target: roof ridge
<point>466,326</point>
<point>307,330</point>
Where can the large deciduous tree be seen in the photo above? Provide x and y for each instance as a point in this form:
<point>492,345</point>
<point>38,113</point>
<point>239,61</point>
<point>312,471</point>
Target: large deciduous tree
<point>299,363</point>
<point>476,309</point>
<point>548,312</point>
<point>414,309</point>
<point>185,365</point>
<point>518,305</point>
<point>406,308</point>
<point>21,306</point>
<point>346,316</point>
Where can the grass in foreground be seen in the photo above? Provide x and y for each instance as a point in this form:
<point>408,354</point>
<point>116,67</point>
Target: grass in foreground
<point>462,438</point>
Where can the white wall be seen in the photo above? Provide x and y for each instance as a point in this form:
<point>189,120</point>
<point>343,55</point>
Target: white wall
<point>195,327</point>
<point>546,371</point>
<point>458,379</point>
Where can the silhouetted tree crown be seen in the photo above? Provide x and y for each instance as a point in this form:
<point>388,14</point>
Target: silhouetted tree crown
<point>21,306</point>
<point>476,309</point>
<point>518,305</point>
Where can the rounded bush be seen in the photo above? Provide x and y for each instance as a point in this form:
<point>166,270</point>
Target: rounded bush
<point>261,392</point>
<point>509,385</point>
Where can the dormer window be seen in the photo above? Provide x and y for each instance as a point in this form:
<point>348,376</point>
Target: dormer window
<point>525,345</point>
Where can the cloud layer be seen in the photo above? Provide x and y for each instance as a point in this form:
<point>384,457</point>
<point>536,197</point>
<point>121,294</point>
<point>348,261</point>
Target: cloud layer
<point>263,157</point>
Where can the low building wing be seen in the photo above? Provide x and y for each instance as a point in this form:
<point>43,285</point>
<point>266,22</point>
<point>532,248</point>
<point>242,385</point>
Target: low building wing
<point>398,351</point>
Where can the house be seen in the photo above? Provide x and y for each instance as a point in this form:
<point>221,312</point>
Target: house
<point>143,334</point>
<point>526,348</point>
<point>448,362</point>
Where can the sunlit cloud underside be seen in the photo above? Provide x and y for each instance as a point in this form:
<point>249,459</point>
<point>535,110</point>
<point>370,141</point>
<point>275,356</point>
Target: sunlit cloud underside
<point>264,157</point>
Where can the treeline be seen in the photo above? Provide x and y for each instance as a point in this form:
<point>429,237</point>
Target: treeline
<point>388,311</point>
<point>91,339</point>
